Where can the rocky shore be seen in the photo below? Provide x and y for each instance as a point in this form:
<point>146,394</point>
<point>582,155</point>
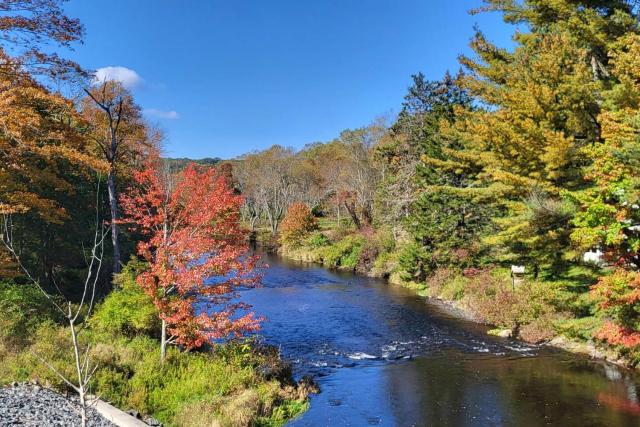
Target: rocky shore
<point>456,308</point>
<point>33,405</point>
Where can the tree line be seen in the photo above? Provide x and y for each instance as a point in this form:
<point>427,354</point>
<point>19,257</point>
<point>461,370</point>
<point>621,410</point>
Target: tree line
<point>79,165</point>
<point>527,156</point>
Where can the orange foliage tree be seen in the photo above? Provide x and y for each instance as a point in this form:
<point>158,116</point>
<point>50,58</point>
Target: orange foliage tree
<point>297,223</point>
<point>43,153</point>
<point>196,251</point>
<point>27,27</point>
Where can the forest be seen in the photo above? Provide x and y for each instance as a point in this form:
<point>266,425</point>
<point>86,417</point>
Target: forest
<point>526,158</point>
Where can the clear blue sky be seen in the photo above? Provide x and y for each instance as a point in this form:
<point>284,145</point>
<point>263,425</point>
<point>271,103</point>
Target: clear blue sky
<point>226,77</point>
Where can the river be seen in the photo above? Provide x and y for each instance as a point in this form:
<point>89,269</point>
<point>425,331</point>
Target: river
<point>386,357</point>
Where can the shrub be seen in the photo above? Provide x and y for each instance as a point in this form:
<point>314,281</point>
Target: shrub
<point>130,375</point>
<point>415,263</point>
<point>23,308</point>
<point>377,244</point>
<point>385,264</point>
<point>539,329</point>
<point>344,253</point>
<point>297,224</point>
<point>318,240</point>
<point>584,328</point>
<point>453,289</point>
<point>530,309</point>
<point>49,342</point>
<point>619,299</point>
<point>440,278</point>
<point>127,309</point>
<point>366,258</point>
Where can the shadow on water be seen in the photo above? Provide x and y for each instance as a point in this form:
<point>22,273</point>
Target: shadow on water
<point>384,357</point>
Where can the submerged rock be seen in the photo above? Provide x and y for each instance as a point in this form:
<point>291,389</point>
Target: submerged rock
<point>502,333</point>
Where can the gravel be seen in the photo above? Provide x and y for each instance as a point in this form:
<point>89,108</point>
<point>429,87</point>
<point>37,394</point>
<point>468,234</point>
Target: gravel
<point>32,405</point>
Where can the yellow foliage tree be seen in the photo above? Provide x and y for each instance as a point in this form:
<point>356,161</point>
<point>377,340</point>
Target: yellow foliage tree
<point>539,108</point>
<point>40,143</point>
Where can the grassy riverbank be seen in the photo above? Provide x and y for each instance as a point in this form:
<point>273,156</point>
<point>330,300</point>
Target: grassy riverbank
<point>557,309</point>
<point>233,384</point>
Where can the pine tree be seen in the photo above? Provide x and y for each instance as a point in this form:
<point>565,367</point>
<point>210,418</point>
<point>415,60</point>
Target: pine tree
<point>540,107</point>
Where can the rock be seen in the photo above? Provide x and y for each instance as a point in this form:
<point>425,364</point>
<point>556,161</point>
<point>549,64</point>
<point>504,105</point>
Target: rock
<point>33,405</point>
<point>134,413</point>
<point>152,422</point>
<point>307,385</point>
<point>502,333</point>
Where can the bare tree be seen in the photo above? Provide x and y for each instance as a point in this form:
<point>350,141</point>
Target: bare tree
<point>118,130</point>
<point>359,177</point>
<point>266,180</point>
<point>74,314</point>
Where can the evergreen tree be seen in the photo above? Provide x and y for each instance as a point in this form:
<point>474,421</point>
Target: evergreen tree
<point>539,109</point>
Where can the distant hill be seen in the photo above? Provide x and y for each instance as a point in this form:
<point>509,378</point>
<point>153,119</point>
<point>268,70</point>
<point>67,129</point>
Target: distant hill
<point>178,164</point>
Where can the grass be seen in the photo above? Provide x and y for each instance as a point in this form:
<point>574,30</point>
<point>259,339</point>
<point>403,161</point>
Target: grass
<point>237,383</point>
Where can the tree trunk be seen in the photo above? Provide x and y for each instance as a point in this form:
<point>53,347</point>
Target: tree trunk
<point>366,216</point>
<point>163,341</point>
<point>273,222</point>
<point>115,233</point>
<point>351,208</point>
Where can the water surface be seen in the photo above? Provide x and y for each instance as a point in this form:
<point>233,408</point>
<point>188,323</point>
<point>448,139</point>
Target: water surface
<point>385,357</point>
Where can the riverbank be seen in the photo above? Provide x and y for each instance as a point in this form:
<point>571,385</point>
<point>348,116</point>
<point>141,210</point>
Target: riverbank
<point>233,384</point>
<point>557,312</point>
<point>383,356</point>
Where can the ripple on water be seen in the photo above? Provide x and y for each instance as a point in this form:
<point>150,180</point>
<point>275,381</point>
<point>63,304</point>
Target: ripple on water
<point>327,322</point>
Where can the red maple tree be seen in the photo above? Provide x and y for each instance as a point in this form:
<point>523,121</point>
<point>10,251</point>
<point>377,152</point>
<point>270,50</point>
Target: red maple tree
<point>196,251</point>
<point>618,297</point>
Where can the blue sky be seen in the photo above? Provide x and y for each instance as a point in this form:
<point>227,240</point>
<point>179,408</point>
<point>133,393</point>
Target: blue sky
<point>222,78</point>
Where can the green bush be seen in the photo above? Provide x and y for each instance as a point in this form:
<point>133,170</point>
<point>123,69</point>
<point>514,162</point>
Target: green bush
<point>317,240</point>
<point>453,289</point>
<point>531,309</point>
<point>414,263</point>
<point>23,308</point>
<point>385,264</point>
<point>584,328</point>
<point>344,253</point>
<point>49,342</point>
<point>127,309</point>
<point>230,380</point>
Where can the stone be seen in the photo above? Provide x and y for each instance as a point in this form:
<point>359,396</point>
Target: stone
<point>502,333</point>
<point>134,413</point>
<point>152,422</point>
<point>32,405</point>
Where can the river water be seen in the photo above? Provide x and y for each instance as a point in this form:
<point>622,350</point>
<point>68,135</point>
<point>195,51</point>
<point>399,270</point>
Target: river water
<point>386,357</point>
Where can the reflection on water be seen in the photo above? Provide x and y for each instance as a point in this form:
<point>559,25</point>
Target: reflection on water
<point>385,357</point>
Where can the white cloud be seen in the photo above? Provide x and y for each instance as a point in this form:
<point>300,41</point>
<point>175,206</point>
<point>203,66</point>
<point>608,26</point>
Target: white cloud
<point>160,114</point>
<point>124,75</point>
